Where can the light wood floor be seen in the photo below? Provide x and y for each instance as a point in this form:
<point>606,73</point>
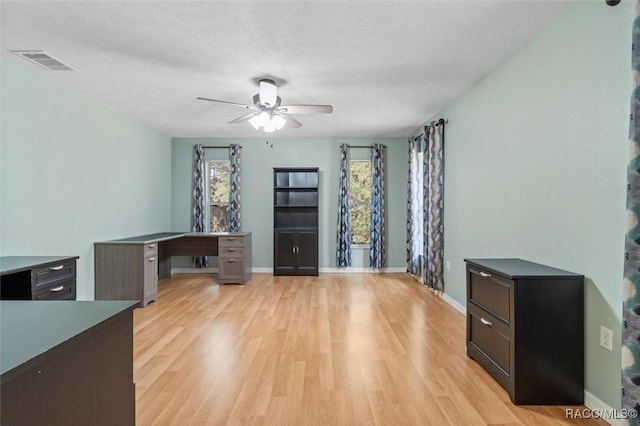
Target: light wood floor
<point>349,349</point>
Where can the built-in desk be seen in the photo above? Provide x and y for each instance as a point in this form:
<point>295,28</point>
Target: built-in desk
<point>38,277</point>
<point>129,268</point>
<point>67,363</point>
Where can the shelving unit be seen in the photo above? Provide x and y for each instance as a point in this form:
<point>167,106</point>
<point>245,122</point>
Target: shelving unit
<point>295,221</point>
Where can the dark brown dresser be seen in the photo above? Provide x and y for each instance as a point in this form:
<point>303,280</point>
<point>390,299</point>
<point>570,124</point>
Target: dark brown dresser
<point>38,277</point>
<point>67,363</point>
<point>525,327</point>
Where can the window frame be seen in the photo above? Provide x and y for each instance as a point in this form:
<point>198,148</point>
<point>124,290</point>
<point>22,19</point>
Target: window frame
<point>209,202</point>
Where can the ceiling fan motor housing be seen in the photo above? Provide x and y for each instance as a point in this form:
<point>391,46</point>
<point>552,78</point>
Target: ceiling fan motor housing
<point>268,93</point>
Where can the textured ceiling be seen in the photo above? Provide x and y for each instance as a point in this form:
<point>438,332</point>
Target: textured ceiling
<point>385,66</point>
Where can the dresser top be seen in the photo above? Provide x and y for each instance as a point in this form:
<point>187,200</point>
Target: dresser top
<point>518,268</point>
<point>13,264</point>
<point>164,236</point>
<point>29,329</point>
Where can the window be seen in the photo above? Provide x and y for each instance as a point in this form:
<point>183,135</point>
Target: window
<point>360,201</point>
<point>219,187</point>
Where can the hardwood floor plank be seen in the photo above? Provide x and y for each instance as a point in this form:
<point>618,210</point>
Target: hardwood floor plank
<point>338,349</point>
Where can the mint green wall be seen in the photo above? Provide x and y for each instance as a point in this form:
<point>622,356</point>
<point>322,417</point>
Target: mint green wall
<point>258,160</point>
<point>536,165</point>
<point>73,172</point>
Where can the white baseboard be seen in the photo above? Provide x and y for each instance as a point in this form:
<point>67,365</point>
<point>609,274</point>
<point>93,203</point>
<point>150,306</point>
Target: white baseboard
<point>592,402</point>
<point>454,304</point>
<point>362,270</point>
<point>194,270</point>
<point>267,270</point>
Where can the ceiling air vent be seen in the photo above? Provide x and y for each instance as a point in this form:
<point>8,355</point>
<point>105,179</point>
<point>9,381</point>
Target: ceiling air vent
<point>43,59</point>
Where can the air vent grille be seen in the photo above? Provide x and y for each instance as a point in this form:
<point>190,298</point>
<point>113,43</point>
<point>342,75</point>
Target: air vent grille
<point>43,59</point>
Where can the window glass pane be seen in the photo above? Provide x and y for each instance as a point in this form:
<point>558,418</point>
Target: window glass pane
<point>219,181</point>
<point>360,181</point>
<point>360,223</point>
<point>360,198</point>
<point>219,218</point>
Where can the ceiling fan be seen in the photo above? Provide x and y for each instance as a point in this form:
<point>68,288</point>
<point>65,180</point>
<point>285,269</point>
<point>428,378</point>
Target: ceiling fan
<point>267,111</point>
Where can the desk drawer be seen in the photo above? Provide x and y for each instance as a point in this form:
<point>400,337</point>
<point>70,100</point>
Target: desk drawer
<point>231,253</point>
<point>65,290</point>
<point>231,270</point>
<point>53,274</point>
<point>150,250</point>
<point>224,242</point>
<point>491,292</point>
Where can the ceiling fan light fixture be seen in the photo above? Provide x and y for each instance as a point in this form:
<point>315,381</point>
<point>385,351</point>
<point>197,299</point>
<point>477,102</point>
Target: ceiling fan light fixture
<point>256,122</point>
<point>269,127</point>
<point>278,121</point>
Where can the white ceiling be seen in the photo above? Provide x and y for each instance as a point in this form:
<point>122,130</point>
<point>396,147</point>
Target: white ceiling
<point>385,66</point>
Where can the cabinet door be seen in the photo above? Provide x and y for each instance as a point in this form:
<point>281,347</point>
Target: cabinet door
<point>150,289</point>
<point>284,251</point>
<point>307,251</point>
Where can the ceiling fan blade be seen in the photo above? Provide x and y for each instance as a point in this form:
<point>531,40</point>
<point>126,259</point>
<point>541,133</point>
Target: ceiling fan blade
<point>227,102</point>
<point>244,118</point>
<point>292,122</point>
<point>306,109</point>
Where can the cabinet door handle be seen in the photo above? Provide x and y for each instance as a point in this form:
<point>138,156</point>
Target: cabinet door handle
<point>485,322</point>
<point>151,259</point>
<point>56,268</point>
<point>57,289</point>
<point>484,274</point>
<point>151,245</point>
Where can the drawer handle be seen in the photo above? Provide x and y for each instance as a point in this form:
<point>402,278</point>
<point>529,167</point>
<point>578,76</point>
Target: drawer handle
<point>151,259</point>
<point>231,261</point>
<point>151,245</point>
<point>57,289</point>
<point>231,239</point>
<point>484,274</point>
<point>231,250</point>
<point>485,322</point>
<point>56,268</point>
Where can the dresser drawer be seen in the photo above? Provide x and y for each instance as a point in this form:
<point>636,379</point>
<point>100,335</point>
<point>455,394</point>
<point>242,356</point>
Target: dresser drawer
<point>150,250</point>
<point>491,337</point>
<point>491,292</point>
<point>224,242</point>
<point>53,274</point>
<point>65,290</point>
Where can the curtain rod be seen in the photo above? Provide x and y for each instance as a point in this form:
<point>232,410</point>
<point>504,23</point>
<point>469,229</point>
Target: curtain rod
<point>440,122</point>
<point>362,146</point>
<point>217,147</point>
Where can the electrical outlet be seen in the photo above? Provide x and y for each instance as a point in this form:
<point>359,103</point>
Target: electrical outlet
<point>606,337</point>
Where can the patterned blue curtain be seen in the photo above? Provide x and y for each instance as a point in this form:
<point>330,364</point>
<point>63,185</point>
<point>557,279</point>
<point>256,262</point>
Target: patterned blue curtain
<point>433,181</point>
<point>234,192</point>
<point>343,243</point>
<point>198,222</point>
<point>377,249</point>
<point>631,282</point>
<point>414,208</point>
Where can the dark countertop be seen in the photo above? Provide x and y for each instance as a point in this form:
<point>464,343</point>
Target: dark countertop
<point>29,329</point>
<point>513,268</point>
<point>163,236</point>
<point>12,264</point>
